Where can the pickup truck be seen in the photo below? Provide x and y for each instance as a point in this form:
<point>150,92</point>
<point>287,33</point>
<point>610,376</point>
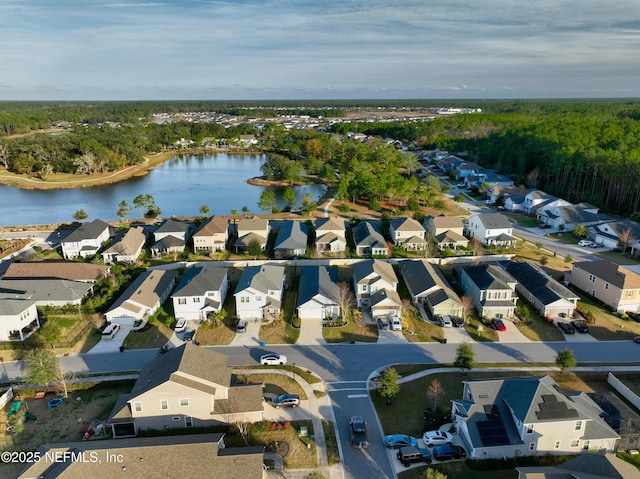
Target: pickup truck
<point>358,432</point>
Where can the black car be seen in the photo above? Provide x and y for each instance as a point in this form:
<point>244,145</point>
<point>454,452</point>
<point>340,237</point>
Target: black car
<point>580,326</point>
<point>444,453</point>
<point>634,315</point>
<point>383,324</point>
<point>410,454</point>
<point>457,322</point>
<point>566,328</point>
<point>358,432</point>
<point>544,226</point>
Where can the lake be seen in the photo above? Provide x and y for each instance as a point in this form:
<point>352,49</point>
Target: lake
<point>180,187</point>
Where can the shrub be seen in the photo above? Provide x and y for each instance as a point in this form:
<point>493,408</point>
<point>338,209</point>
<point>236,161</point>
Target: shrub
<point>295,322</point>
<point>344,208</point>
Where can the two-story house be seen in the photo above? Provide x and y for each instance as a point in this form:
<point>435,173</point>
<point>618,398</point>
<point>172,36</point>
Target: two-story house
<point>330,235</point>
<point>249,230</point>
<point>535,198</point>
<point>491,289</point>
<point>18,319</point>
<point>615,233</point>
<point>69,270</point>
<point>548,297</point>
<point>499,418</point>
<point>85,240</point>
<point>291,240</point>
<point>446,231</point>
<point>428,286</point>
<point>613,284</point>
<point>491,229</point>
<point>127,247</point>
<point>211,236</point>
<point>189,386</point>
<point>201,291</point>
<point>368,240</point>
<point>511,197</point>
<point>259,292</point>
<point>318,294</point>
<point>407,233</point>
<point>170,237</point>
<point>370,276</point>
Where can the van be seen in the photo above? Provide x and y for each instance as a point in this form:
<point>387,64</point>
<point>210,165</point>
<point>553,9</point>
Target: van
<point>110,331</point>
<point>396,325</point>
<point>410,455</point>
<point>446,322</point>
<point>241,327</point>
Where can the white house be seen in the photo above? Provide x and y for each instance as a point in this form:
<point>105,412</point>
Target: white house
<point>259,292</point>
<point>201,291</point>
<point>85,240</point>
<point>330,235</point>
<point>318,294</point>
<point>534,198</point>
<point>18,319</point>
<point>491,229</point>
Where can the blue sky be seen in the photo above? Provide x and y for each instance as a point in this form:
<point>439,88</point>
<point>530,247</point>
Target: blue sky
<point>323,49</point>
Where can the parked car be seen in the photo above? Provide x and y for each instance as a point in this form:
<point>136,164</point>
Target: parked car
<point>634,315</point>
<point>242,326</point>
<point>594,245</point>
<point>189,336</point>
<point>637,339</point>
<point>445,321</point>
<point>566,327</point>
<point>410,454</point>
<point>437,438</point>
<point>181,325</point>
<point>395,441</point>
<point>498,325</point>
<point>580,326</point>
<point>383,324</point>
<point>584,243</point>
<point>291,400</point>
<point>273,359</point>
<point>110,331</point>
<point>358,429</point>
<point>446,452</point>
<point>461,185</point>
<point>544,226</point>
<point>457,322</point>
<point>396,325</point>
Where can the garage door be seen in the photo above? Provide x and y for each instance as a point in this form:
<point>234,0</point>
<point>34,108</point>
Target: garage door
<point>310,313</point>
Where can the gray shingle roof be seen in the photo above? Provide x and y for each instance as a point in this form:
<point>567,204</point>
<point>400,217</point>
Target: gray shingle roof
<point>43,290</point>
<point>493,221</point>
<point>362,269</point>
<point>262,278</point>
<point>488,276</point>
<point>87,231</point>
<point>292,236</point>
<point>146,288</point>
<point>615,274</point>
<point>173,226</point>
<point>197,281</point>
<point>405,223</point>
<point>385,295</point>
<point>365,234</point>
<point>318,280</point>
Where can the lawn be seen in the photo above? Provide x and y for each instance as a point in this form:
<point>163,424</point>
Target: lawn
<point>607,327</point>
<point>301,450</point>
<point>522,220</point>
<point>154,335</point>
<point>566,238</point>
<point>277,384</point>
<point>458,470</point>
<point>416,329</point>
<point>352,331</point>
<point>616,257</point>
<point>554,265</point>
<point>220,332</point>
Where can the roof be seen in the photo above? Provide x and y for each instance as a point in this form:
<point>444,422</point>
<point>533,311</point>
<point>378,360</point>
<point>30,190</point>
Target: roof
<point>318,280</point>
<point>330,223</point>
<point>405,223</point>
<point>540,195</point>
<point>450,237</point>
<point>128,244</point>
<point>71,270</point>
<point>261,278</point>
<point>492,221</point>
<point>253,224</point>
<point>14,307</point>
<point>211,226</point>
<point>146,289</point>
<point>577,213</point>
<point>421,277</point>
<point>87,231</point>
<point>612,273</point>
<point>618,227</point>
<point>167,242</point>
<point>197,281</point>
<point>365,234</point>
<point>375,267</point>
<point>385,296</point>
<point>173,226</point>
<point>584,466</point>
<point>486,276</point>
<point>144,458</point>
<point>535,280</point>
<point>448,222</point>
<point>292,235</point>
<point>249,237</point>
<point>44,290</point>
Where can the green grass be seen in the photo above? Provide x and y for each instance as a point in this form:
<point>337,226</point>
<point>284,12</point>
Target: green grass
<point>351,332</point>
<point>564,237</point>
<point>616,257</point>
<point>522,220</point>
<point>154,335</point>
<point>333,454</point>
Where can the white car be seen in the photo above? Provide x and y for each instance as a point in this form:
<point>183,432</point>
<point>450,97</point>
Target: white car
<point>181,325</point>
<point>446,322</point>
<point>396,325</point>
<point>273,359</point>
<point>584,243</point>
<point>437,438</point>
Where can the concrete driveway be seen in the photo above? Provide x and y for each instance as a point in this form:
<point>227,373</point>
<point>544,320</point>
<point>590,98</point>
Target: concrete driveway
<point>457,335</point>
<point>111,345</point>
<point>311,331</point>
<point>251,337</point>
<point>512,334</point>
<point>391,337</point>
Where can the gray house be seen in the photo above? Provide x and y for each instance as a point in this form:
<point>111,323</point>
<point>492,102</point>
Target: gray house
<point>318,294</point>
<point>491,288</point>
<point>549,297</point>
<point>368,240</point>
<point>189,386</point>
<point>126,248</point>
<point>170,237</point>
<point>428,286</point>
<point>201,291</point>
<point>291,240</point>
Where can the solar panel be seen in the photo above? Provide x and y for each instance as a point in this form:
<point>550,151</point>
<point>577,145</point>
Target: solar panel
<point>492,433</point>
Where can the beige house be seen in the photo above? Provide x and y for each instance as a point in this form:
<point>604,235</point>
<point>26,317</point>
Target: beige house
<point>613,284</point>
<point>251,229</point>
<point>127,248</point>
<point>330,235</point>
<point>385,303</point>
<point>143,297</point>
<point>446,231</point>
<point>370,276</point>
<point>529,416</point>
<point>212,236</point>
<point>148,458</point>
<point>428,286</point>
<point>407,233</point>
<point>187,387</point>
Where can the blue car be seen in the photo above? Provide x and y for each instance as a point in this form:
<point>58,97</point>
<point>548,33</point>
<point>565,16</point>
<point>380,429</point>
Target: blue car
<point>395,441</point>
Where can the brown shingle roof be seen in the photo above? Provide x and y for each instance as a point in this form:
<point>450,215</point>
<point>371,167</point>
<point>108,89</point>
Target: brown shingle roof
<point>128,244</point>
<point>213,225</point>
<point>70,270</point>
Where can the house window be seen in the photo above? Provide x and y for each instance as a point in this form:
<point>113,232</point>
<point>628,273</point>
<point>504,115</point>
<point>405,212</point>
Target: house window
<point>585,445</point>
<point>164,404</point>
<point>557,445</point>
<point>592,278</point>
<point>593,292</point>
<point>137,406</point>
<point>529,428</point>
<point>629,293</point>
<point>578,425</point>
<point>188,421</point>
<point>196,300</point>
<point>175,418</point>
<point>575,442</point>
<point>606,285</point>
<point>182,300</point>
<point>532,446</point>
<point>259,299</point>
<point>184,402</point>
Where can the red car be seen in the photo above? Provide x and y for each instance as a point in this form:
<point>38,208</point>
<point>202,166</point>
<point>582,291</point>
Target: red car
<point>498,325</point>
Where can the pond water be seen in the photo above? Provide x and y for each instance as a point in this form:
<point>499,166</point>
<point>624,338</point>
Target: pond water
<point>180,187</point>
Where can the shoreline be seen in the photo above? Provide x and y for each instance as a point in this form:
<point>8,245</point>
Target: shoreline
<point>70,181</point>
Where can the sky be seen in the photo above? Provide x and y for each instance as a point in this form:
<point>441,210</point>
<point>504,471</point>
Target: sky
<point>322,49</point>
